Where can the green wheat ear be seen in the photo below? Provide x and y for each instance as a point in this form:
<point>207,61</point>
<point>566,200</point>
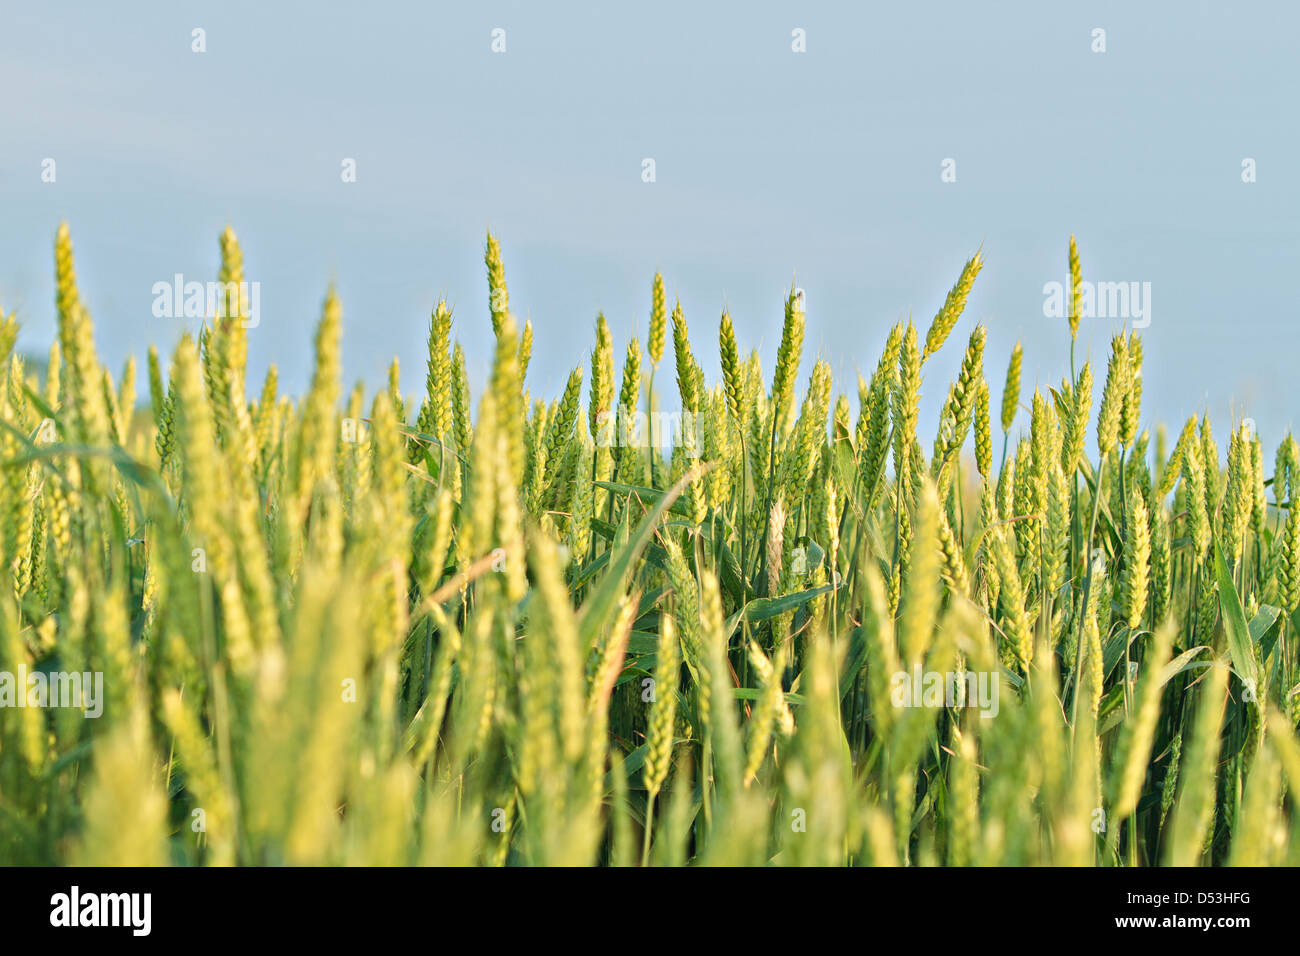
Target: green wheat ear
<point>788,356</point>
<point>905,404</point>
<point>1174,465</point>
<point>685,361</point>
<point>8,335</point>
<point>318,431</point>
<point>602,376</point>
<point>76,338</point>
<point>1011,390</point>
<point>1077,412</point>
<point>983,430</point>
<point>629,393</point>
<point>525,349</point>
<point>952,308</point>
<point>658,320</point>
<point>498,297</point>
<point>663,709</point>
<point>560,428</point>
<point>1137,561</point>
<point>731,373</point>
<point>1113,397</point>
<point>436,411</point>
<point>507,394</point>
<point>460,401</point>
<point>1131,408</point>
<point>959,410</point>
<point>1076,290</point>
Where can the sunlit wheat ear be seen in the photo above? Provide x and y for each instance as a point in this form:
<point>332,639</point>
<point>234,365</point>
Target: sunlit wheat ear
<point>920,602</point>
<point>809,434</point>
<point>1290,560</point>
<point>1131,408</point>
<point>609,659</point>
<point>1016,623</point>
<point>318,432</point>
<point>436,410</point>
<point>788,356</point>
<point>663,710</point>
<point>775,547</point>
<point>1286,469</point>
<point>954,563</point>
<point>561,649</point>
<point>560,428</point>
<point>8,334</point>
<point>959,410</point>
<point>873,418</point>
<point>905,404</point>
<point>1239,492</point>
<point>983,430</point>
<point>1076,290</point>
<point>771,713</point>
<point>1259,499</point>
<point>1056,531</point>
<point>629,395</point>
<point>525,349</point>
<point>76,339</point>
<point>658,320</point>
<point>731,373</point>
<point>1113,397</point>
<point>684,360</point>
<point>1076,421</point>
<point>1198,520</point>
<point>1211,467</point>
<point>1011,390</point>
<point>952,308</point>
<point>498,296</point>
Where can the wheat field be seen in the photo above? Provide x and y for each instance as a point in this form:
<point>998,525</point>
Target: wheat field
<point>651,621</point>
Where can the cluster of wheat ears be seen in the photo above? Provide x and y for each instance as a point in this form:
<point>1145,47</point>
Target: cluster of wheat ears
<point>485,631</point>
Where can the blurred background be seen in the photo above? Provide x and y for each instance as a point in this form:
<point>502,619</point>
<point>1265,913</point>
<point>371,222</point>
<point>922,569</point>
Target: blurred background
<point>822,166</point>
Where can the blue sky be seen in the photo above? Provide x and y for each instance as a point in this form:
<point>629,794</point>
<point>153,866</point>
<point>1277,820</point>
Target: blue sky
<point>769,163</point>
